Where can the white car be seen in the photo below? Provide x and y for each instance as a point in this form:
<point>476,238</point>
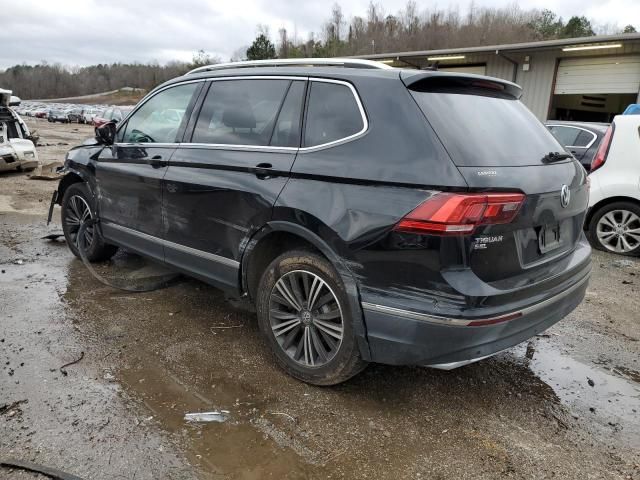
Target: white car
<point>88,114</point>
<point>17,151</point>
<point>613,220</point>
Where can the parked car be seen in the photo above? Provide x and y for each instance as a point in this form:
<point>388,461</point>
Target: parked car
<point>17,151</point>
<point>582,139</point>
<point>58,116</point>
<point>109,115</point>
<point>88,115</point>
<point>75,115</point>
<point>613,221</point>
<point>368,214</point>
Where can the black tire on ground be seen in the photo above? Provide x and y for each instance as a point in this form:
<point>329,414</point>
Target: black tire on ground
<point>342,358</point>
<point>613,210</point>
<point>74,202</point>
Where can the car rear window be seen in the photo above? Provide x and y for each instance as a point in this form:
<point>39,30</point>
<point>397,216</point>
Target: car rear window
<point>486,131</point>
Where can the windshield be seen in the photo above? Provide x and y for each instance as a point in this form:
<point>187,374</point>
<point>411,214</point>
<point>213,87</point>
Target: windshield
<point>484,131</point>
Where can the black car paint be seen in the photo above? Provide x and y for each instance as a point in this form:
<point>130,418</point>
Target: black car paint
<point>346,212</point>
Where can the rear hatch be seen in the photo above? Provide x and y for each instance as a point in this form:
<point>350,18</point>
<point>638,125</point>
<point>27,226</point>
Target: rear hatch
<point>500,146</point>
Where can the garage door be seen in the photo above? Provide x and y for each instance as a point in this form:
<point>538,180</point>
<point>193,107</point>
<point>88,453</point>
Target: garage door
<point>476,69</point>
<point>598,75</point>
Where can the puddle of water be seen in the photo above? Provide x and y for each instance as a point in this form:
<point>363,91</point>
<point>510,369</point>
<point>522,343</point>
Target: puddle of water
<point>233,449</point>
<point>591,392</point>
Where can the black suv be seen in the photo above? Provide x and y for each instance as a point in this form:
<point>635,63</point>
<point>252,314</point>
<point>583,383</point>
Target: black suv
<point>368,213</point>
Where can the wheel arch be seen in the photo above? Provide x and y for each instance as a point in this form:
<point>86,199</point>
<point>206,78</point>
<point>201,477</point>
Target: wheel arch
<point>607,201</point>
<point>69,179</point>
<point>277,237</point>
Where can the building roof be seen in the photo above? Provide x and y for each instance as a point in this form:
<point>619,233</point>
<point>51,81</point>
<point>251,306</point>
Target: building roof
<point>512,47</point>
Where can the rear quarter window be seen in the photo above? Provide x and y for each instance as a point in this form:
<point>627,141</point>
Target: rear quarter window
<point>333,114</point>
<point>565,135</point>
<point>584,138</point>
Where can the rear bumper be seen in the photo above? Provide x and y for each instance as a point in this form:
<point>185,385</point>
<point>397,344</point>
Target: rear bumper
<point>402,337</point>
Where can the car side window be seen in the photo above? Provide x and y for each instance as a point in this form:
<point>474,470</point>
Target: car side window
<point>565,135</point>
<point>584,138</point>
<point>159,119</point>
<point>332,114</point>
<point>240,112</point>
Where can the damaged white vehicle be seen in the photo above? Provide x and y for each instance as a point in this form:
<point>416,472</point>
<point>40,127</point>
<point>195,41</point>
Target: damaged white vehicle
<point>17,151</point>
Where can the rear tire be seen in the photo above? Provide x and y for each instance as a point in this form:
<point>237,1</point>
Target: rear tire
<point>78,206</point>
<point>615,228</point>
<point>311,337</point>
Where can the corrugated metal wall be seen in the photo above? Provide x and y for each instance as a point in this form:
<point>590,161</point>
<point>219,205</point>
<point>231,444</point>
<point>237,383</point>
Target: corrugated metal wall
<point>537,83</point>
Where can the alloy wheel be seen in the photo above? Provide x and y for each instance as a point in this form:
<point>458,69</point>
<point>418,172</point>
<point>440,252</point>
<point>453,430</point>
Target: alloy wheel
<point>619,231</point>
<point>77,213</point>
<point>306,318</point>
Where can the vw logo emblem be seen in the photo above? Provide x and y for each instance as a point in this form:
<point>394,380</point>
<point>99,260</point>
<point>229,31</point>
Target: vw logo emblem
<point>565,196</point>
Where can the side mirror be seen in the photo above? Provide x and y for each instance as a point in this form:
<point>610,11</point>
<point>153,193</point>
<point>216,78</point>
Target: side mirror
<point>106,134</point>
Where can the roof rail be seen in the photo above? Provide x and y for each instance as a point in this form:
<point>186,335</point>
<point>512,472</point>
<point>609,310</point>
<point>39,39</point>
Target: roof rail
<point>290,62</point>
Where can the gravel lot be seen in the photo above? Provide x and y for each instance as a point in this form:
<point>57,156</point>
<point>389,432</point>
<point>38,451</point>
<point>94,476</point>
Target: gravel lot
<point>567,405</point>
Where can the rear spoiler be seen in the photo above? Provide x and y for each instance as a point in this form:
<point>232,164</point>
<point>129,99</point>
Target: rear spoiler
<point>435,81</point>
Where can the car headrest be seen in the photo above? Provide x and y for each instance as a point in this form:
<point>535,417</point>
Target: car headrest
<point>239,114</point>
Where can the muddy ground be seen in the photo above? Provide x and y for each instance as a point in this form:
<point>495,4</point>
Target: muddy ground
<point>564,406</point>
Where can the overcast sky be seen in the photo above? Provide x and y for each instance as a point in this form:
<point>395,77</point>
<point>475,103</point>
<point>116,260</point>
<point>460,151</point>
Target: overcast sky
<point>86,32</point>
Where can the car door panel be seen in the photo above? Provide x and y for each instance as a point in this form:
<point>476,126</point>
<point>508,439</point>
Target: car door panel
<point>130,173</point>
<point>214,200</point>
<point>129,180</point>
<point>218,194</point>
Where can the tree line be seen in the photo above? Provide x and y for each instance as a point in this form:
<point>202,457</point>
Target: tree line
<point>411,29</point>
<point>59,81</point>
<point>375,32</point>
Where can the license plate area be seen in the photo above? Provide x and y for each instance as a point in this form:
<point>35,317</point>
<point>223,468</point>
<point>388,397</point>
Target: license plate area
<point>549,238</point>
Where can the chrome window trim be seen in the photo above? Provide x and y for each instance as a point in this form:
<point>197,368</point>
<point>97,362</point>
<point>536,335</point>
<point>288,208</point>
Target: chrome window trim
<point>147,144</point>
<point>463,322</point>
<point>595,137</point>
<point>176,246</point>
<point>225,146</point>
<point>262,148</point>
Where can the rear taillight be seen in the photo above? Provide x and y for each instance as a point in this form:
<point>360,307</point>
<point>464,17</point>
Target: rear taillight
<point>603,149</point>
<point>460,214</point>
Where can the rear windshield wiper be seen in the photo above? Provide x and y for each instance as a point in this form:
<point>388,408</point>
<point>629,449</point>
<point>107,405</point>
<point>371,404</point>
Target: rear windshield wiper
<point>555,157</point>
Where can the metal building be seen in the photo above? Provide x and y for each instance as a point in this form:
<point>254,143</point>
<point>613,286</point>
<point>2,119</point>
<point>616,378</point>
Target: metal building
<point>582,79</point>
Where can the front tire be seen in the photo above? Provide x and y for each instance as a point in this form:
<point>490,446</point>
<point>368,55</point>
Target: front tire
<point>616,228</point>
<point>303,312</point>
<point>78,206</point>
